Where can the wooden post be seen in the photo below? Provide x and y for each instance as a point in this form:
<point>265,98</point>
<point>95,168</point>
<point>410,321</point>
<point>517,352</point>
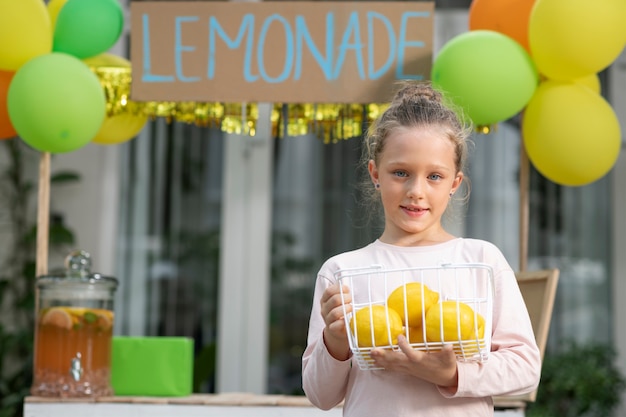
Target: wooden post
<point>43,229</point>
<point>43,219</point>
<point>524,207</point>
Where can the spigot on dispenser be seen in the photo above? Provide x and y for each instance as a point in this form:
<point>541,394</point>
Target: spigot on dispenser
<point>76,368</point>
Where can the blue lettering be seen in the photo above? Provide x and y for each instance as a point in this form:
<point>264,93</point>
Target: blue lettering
<point>146,75</point>
<point>179,48</point>
<point>302,33</point>
<point>288,53</point>
<point>403,44</point>
<point>247,24</point>
<point>373,73</point>
<point>353,27</point>
<point>329,56</point>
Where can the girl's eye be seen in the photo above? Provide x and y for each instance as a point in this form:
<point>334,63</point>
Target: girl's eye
<point>400,173</point>
<point>434,177</point>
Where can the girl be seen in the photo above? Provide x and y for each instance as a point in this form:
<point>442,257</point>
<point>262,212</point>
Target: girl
<point>415,155</point>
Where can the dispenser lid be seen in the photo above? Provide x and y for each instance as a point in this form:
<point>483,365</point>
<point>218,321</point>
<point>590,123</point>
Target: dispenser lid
<point>77,272</point>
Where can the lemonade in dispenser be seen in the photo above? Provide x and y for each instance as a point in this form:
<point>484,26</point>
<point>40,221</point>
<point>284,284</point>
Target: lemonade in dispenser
<point>73,331</point>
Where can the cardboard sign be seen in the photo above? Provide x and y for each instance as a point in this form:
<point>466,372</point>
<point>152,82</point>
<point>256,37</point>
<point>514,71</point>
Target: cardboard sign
<point>283,52</point>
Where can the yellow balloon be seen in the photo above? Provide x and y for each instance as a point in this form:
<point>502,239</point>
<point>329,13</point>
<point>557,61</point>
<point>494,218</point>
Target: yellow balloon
<point>107,60</point>
<point>120,128</point>
<point>571,134</point>
<point>24,32</point>
<point>591,81</point>
<point>125,124</point>
<point>54,7</point>
<point>570,39</point>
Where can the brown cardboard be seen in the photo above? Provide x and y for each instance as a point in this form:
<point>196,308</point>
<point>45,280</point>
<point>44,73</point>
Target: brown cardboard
<point>171,42</point>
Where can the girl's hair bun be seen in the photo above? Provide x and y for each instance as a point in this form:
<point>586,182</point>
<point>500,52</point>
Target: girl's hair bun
<point>415,93</point>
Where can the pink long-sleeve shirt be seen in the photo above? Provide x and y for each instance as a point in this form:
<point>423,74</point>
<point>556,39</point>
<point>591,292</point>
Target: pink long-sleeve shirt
<point>513,366</point>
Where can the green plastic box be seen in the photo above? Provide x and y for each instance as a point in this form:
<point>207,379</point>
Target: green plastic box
<point>152,366</point>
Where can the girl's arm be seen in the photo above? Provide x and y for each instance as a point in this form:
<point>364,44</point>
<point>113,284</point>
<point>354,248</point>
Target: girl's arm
<point>326,361</point>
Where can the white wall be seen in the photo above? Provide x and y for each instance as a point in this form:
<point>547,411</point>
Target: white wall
<point>90,206</point>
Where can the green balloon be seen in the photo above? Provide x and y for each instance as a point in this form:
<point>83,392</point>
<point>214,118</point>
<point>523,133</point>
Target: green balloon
<point>56,103</point>
<point>488,74</point>
<point>86,28</point>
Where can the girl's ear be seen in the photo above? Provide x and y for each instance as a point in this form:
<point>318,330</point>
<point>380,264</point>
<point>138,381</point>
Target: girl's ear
<point>371,167</point>
<point>457,182</point>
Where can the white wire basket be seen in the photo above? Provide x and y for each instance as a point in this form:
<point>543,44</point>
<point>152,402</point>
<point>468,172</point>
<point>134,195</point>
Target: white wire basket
<point>431,306</point>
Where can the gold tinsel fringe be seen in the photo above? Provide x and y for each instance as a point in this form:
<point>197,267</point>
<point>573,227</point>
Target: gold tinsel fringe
<point>332,122</point>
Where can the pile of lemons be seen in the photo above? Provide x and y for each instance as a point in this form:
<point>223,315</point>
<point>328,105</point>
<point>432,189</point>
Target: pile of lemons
<point>415,310</point>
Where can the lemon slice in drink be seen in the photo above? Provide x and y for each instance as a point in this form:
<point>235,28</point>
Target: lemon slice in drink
<point>58,317</point>
<point>105,320</point>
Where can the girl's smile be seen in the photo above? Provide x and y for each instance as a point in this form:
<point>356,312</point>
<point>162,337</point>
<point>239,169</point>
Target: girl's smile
<point>414,211</point>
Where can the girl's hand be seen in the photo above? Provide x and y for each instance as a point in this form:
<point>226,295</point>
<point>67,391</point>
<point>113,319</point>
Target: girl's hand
<point>335,336</point>
<point>440,368</point>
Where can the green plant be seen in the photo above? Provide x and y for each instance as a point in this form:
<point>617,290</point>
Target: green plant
<point>17,274</point>
<point>580,380</point>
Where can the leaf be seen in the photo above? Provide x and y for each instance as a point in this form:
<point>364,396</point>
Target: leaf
<point>64,177</point>
<point>28,186</point>
<point>60,235</point>
<point>204,366</point>
<point>4,284</point>
<point>90,317</point>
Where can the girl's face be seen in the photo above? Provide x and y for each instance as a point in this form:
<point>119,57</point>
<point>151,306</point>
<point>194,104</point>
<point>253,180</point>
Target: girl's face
<point>416,173</point>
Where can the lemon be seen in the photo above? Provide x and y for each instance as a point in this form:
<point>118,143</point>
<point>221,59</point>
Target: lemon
<point>105,319</point>
<point>455,320</point>
<point>58,317</point>
<point>416,335</point>
<point>374,320</point>
<point>414,305</point>
<point>480,326</point>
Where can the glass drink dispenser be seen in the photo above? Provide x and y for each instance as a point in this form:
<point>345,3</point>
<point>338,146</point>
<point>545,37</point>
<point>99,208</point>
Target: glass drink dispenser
<point>73,332</point>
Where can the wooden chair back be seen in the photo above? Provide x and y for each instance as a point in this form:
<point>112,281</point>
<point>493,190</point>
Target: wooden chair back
<point>539,291</point>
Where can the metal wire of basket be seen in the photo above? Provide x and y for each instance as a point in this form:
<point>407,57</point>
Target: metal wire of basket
<point>458,286</point>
